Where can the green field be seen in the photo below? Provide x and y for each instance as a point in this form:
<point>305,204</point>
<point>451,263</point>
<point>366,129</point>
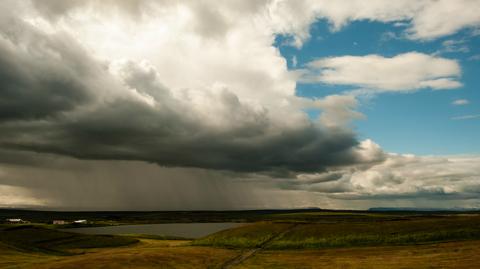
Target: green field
<point>280,240</point>
<point>248,236</point>
<point>342,233</point>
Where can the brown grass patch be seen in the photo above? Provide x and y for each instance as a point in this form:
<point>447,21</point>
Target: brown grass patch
<point>147,254</point>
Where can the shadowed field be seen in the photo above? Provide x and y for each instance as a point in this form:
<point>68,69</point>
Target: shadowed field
<point>31,238</point>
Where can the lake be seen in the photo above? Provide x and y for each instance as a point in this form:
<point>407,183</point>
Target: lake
<point>187,230</point>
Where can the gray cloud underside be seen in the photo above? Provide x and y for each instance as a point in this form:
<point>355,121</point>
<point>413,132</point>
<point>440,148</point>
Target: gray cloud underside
<point>56,98</point>
<point>56,182</point>
<point>42,79</point>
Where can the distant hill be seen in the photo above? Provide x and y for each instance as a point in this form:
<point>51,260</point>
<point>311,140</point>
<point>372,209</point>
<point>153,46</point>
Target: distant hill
<point>419,209</point>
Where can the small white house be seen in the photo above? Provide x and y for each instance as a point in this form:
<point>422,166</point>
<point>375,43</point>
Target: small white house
<point>80,221</point>
<point>15,221</point>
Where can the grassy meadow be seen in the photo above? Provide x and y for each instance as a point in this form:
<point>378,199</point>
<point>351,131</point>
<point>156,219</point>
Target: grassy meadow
<point>458,255</point>
<point>281,240</point>
<point>348,233</point>
<point>248,236</point>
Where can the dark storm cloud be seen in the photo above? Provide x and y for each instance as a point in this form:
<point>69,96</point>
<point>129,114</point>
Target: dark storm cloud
<point>304,150</point>
<point>125,130</point>
<point>40,75</point>
<point>44,76</point>
<point>56,98</point>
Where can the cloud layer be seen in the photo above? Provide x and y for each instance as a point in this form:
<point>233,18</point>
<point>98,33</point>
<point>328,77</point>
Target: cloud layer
<point>97,94</point>
<point>400,176</point>
<point>419,19</point>
<point>55,182</point>
<point>137,118</point>
<point>238,113</point>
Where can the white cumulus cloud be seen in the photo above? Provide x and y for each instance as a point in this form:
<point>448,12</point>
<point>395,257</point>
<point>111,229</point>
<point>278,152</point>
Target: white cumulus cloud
<point>403,72</point>
<point>422,19</point>
<point>400,177</point>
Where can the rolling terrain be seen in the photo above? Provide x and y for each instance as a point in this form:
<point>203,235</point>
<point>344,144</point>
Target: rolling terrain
<point>281,240</point>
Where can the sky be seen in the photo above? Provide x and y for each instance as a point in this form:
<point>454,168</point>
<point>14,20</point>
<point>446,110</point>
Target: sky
<point>432,117</point>
<point>241,104</point>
